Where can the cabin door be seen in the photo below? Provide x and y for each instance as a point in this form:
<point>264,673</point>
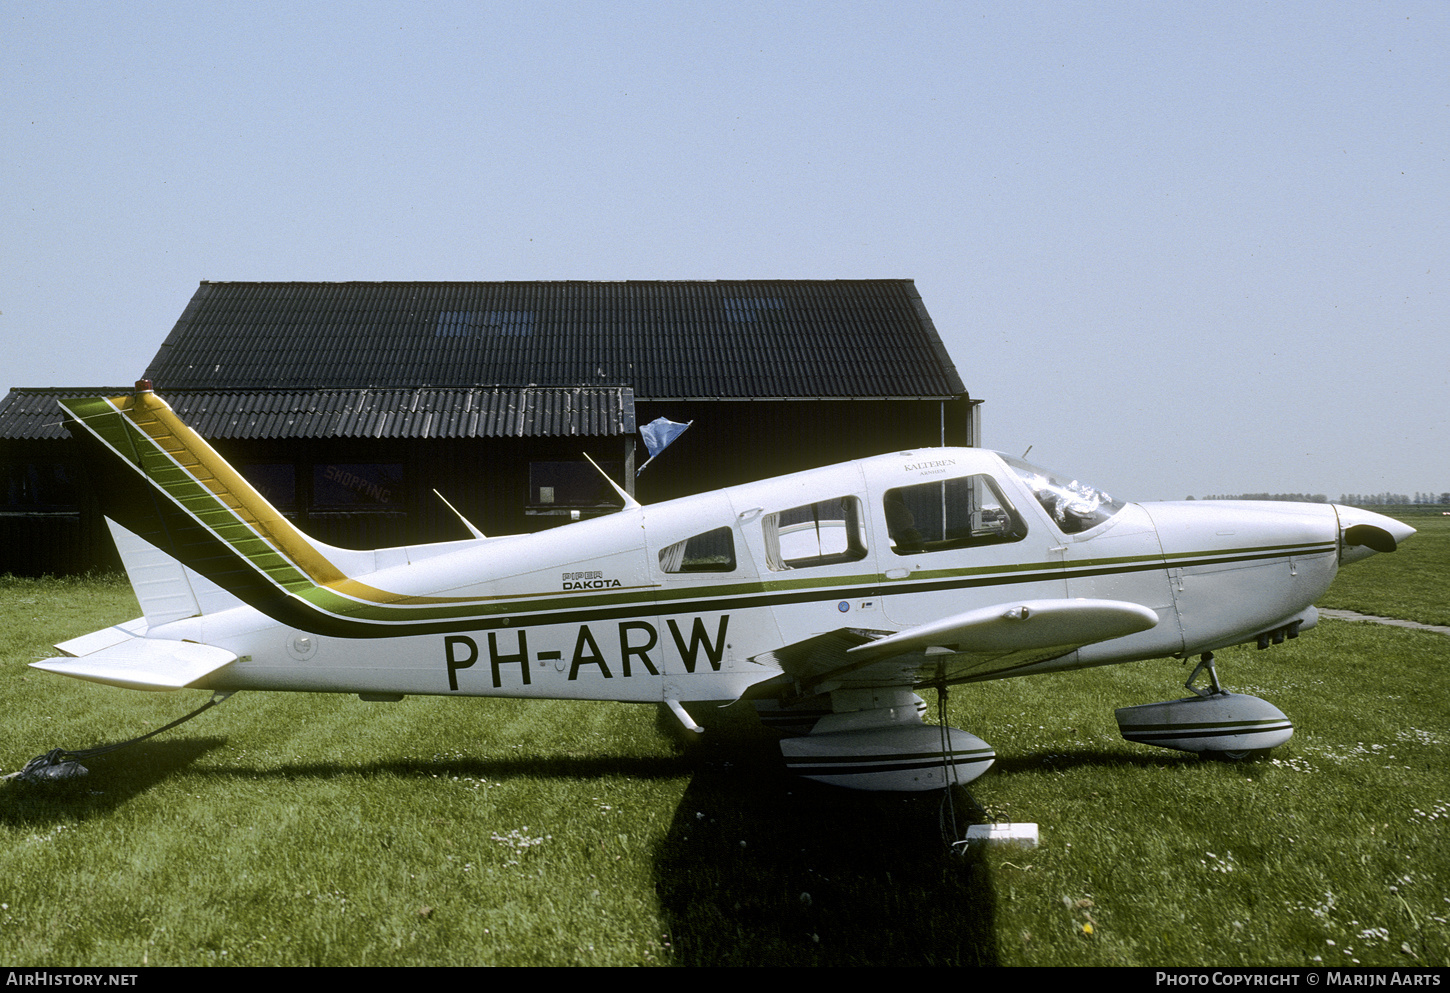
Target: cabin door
<point>951,545</point>
<point>702,573</point>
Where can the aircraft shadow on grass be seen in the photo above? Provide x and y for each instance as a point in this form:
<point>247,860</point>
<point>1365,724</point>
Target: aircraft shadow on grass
<point>760,867</point>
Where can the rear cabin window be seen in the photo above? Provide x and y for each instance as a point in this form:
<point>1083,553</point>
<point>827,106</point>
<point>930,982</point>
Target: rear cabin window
<point>823,533</point>
<point>948,514</point>
<point>713,551</point>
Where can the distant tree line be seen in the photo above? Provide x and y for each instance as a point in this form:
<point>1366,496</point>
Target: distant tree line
<point>1288,497</point>
<point>1383,499</point>
<point>1348,499</point>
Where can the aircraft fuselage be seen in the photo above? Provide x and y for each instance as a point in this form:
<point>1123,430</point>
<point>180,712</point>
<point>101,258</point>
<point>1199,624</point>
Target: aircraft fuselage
<point>678,600</point>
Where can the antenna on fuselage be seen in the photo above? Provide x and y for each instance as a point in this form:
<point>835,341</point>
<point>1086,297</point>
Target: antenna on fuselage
<point>466,522</point>
<point>629,501</point>
<point>1024,454</point>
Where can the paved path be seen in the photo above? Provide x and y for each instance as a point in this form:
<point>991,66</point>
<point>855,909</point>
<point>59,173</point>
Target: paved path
<point>1349,615</point>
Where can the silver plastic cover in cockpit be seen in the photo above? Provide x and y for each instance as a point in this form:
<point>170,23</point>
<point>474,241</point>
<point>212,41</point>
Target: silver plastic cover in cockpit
<point>1072,505</point>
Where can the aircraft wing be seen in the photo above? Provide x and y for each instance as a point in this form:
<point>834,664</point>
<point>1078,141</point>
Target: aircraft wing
<point>976,644</point>
<point>119,657</point>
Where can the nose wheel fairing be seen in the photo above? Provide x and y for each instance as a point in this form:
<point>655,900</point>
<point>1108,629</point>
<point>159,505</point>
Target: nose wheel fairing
<point>1212,720</point>
<point>1221,722</point>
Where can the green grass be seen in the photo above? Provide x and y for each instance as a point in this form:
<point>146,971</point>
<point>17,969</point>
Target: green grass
<point>282,829</point>
<point>1339,837</point>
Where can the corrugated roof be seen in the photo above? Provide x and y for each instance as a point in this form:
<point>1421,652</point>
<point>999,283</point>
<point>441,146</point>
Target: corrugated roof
<point>538,412</point>
<point>32,414</point>
<point>706,339</point>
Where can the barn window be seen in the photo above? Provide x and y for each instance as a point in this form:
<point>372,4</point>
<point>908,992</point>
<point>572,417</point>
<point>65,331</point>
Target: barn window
<point>45,486</point>
<point>276,481</point>
<point>751,309</point>
<point>484,324</point>
<point>562,486</point>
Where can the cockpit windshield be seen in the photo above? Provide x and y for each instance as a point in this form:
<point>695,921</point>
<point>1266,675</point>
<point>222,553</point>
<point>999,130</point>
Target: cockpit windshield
<point>1074,506</point>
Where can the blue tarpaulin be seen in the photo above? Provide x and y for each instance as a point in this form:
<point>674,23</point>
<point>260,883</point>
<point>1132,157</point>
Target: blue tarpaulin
<point>658,434</point>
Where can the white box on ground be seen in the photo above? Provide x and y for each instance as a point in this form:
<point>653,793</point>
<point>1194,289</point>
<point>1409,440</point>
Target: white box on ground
<point>1003,834</point>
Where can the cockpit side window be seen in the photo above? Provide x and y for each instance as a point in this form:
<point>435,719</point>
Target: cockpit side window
<point>711,551</point>
<point>948,514</point>
<point>823,533</point>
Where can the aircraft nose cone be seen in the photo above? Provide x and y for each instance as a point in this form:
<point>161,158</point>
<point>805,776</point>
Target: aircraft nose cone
<point>1363,532</point>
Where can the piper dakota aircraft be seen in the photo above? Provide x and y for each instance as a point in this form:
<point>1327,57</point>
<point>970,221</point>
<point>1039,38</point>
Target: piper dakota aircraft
<point>827,598</point>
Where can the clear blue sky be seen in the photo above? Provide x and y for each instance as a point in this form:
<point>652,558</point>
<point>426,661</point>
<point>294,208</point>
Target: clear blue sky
<point>1176,248</point>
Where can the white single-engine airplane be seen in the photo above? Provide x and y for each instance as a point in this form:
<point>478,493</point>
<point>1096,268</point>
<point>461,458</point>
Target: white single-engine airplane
<point>827,597</point>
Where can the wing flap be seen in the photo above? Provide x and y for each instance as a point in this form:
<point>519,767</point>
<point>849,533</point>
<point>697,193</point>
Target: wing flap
<point>1029,625</point>
<point>141,663</point>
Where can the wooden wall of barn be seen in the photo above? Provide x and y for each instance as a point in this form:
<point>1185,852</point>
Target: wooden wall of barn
<point>62,534</point>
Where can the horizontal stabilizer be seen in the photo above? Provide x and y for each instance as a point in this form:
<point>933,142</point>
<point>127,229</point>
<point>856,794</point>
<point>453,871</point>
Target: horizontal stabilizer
<point>142,663</point>
<point>104,638</point>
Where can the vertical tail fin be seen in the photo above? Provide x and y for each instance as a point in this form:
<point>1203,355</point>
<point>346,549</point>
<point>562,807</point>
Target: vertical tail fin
<point>208,525</point>
<point>177,463</point>
<point>175,493</point>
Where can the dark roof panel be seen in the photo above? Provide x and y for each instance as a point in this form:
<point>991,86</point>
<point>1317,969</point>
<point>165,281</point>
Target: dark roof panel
<point>725,339</point>
<point>421,413</point>
<point>33,415</point>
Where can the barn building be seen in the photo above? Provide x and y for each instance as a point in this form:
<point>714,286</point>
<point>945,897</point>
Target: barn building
<point>355,406</point>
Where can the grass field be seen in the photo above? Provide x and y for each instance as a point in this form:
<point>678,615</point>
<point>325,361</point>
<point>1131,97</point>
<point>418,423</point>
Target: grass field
<point>302,829</point>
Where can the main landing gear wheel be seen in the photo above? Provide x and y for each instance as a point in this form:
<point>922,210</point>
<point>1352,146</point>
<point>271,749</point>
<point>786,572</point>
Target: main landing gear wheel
<point>1242,755</point>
